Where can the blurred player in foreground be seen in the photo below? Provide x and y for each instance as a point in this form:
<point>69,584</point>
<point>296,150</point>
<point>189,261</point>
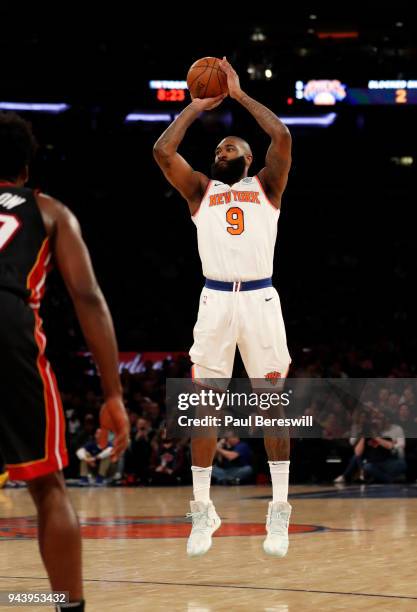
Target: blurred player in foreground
<point>36,231</point>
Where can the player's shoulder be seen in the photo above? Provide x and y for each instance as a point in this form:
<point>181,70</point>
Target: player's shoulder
<point>203,185</point>
<point>48,202</point>
<point>204,180</point>
<point>53,212</point>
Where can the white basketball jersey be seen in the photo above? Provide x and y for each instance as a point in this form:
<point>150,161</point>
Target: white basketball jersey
<point>236,231</point>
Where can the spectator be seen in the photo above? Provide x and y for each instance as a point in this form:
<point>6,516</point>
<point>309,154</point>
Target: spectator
<point>85,434</point>
<point>152,412</point>
<point>133,419</point>
<point>407,420</point>
<point>95,461</point>
<point>383,451</point>
<point>360,422</point>
<point>233,461</point>
<point>73,425</point>
<point>408,398</point>
<point>167,461</point>
<point>383,399</point>
<point>138,455</point>
<point>393,401</point>
<point>334,426</point>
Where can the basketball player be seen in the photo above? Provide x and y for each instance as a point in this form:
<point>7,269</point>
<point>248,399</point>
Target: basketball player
<point>36,230</point>
<point>236,218</point>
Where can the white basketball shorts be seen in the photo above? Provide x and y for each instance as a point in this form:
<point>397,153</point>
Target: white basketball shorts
<point>251,320</point>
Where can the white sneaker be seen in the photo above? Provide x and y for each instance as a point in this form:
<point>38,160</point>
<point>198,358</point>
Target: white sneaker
<point>340,479</point>
<point>277,521</point>
<point>205,522</point>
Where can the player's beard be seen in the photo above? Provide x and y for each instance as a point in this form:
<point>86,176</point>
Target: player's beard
<point>230,172</point>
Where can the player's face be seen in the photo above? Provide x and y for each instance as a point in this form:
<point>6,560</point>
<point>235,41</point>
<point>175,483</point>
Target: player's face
<point>226,151</point>
<point>229,163</point>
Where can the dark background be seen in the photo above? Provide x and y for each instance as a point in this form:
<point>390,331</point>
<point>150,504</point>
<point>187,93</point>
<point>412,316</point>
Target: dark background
<point>345,262</point>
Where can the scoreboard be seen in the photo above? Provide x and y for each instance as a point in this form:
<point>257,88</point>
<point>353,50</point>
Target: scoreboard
<point>315,92</point>
<point>330,92</point>
<point>169,91</point>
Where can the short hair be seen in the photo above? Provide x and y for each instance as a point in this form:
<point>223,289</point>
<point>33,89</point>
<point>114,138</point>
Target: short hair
<point>17,145</point>
<point>243,143</point>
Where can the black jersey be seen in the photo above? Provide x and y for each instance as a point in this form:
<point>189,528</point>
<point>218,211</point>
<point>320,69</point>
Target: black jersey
<point>24,244</point>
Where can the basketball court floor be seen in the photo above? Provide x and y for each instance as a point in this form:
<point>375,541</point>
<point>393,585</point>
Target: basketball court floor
<point>353,548</point>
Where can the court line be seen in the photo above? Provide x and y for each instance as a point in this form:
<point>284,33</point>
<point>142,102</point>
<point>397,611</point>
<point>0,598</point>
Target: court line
<point>224,586</point>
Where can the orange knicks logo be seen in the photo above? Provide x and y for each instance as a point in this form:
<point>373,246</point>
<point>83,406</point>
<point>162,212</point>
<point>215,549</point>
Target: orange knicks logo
<point>273,377</point>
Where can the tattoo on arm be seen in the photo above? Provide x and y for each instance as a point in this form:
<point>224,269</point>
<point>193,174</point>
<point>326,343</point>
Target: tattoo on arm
<point>264,116</point>
<point>170,140</point>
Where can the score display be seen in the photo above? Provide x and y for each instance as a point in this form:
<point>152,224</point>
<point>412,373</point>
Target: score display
<point>169,91</point>
<point>381,96</point>
<point>330,92</point>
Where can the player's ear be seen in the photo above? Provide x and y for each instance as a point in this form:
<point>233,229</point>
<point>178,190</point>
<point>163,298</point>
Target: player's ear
<point>249,159</point>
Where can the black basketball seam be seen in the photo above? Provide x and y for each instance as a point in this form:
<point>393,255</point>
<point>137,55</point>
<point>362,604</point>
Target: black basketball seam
<point>198,76</point>
<point>208,80</point>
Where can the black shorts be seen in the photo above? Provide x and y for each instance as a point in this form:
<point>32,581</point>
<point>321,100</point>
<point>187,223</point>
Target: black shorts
<point>32,424</point>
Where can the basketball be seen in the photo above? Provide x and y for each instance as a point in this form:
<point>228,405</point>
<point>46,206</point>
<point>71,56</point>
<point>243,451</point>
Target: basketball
<point>205,78</point>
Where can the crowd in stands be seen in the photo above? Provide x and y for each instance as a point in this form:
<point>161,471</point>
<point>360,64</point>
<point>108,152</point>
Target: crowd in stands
<point>371,441</point>
<point>374,441</point>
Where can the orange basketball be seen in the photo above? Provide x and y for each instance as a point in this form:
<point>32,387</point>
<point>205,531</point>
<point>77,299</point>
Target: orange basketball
<point>205,78</point>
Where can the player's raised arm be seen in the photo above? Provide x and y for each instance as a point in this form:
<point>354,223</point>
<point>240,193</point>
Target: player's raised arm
<point>190,183</point>
<point>73,261</point>
<point>274,175</point>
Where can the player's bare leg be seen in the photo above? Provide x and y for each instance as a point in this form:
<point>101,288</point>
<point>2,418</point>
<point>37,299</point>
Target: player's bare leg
<point>279,510</point>
<point>59,535</point>
<point>277,449</point>
<point>203,514</point>
<point>203,451</point>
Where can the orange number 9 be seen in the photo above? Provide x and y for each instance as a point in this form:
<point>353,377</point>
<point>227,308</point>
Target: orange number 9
<point>234,216</point>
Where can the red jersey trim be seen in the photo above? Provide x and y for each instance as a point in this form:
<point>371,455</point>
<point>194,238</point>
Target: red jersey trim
<point>56,456</point>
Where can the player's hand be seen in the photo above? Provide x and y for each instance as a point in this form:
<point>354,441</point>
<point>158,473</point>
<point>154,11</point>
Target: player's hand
<point>113,417</point>
<point>206,104</point>
<point>233,82</point>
